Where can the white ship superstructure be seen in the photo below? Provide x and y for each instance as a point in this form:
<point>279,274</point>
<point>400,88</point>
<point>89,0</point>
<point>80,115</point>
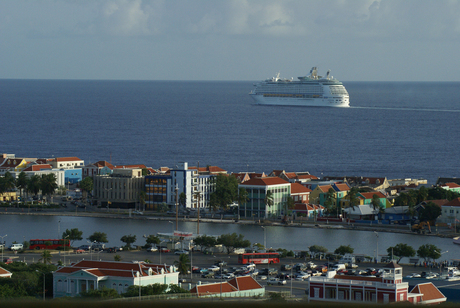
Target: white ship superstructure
<point>312,90</point>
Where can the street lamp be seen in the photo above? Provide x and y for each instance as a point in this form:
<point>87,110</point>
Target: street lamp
<point>3,244</point>
<point>377,235</point>
<point>91,248</point>
<point>65,247</point>
<point>265,239</point>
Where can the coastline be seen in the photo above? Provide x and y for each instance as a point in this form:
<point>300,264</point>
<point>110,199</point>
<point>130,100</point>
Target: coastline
<point>442,232</point>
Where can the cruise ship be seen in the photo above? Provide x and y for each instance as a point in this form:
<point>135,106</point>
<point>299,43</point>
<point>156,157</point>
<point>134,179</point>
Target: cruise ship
<point>312,90</point>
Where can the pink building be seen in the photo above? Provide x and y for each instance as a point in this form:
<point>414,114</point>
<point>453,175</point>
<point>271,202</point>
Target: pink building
<point>388,288</point>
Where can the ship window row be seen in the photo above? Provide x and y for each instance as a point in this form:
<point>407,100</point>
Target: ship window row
<point>338,90</point>
<point>312,89</point>
<point>292,95</point>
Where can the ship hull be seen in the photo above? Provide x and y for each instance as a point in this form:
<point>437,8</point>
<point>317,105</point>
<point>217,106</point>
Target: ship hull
<point>305,102</point>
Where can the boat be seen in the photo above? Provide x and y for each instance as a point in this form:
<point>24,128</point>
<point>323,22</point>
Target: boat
<point>312,90</point>
<point>456,240</point>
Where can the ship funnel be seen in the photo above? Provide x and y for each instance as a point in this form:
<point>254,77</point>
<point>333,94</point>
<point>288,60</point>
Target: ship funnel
<point>328,74</point>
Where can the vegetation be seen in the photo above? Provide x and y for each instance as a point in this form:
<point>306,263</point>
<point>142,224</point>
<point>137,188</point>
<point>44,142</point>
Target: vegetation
<point>183,264</point>
<point>104,293</point>
<point>205,241</point>
<point>429,251</point>
<point>98,237</point>
<point>87,186</point>
<point>401,250</point>
<point>128,240</point>
<point>429,212</point>
<point>232,241</point>
<point>72,235</point>
<point>317,249</point>
<point>226,192</point>
<point>269,199</point>
<point>152,240</point>
<point>46,257</point>
<point>344,249</point>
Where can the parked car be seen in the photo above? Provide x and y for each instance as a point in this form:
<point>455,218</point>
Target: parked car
<point>163,249</point>
<point>282,282</point>
<point>214,268</point>
<point>180,252</point>
<point>16,247</point>
<point>79,250</point>
<point>152,249</point>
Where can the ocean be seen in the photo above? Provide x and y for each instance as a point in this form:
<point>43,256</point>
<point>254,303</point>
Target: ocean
<point>393,129</point>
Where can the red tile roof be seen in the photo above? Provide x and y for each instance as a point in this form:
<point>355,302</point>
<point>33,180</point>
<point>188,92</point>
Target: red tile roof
<point>245,283</point>
<point>370,195</point>
<point>325,188</point>
<point>454,202</point>
<point>103,163</point>
<point>4,273</point>
<point>307,176</point>
<point>130,167</point>
<point>431,293</point>
<point>267,181</point>
<point>213,288</point>
<point>343,187</point>
<point>297,188</point>
<point>452,185</point>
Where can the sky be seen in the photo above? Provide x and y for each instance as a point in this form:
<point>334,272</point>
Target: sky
<point>358,40</point>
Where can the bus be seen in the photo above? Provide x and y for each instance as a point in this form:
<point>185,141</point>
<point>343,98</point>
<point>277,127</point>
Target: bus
<point>49,244</point>
<point>259,258</point>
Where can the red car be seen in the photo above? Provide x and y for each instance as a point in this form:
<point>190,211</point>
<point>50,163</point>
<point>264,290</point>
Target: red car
<point>164,250</point>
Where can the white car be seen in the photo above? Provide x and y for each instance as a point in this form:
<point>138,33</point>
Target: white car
<point>152,249</point>
<point>213,268</point>
<point>414,275</point>
<point>180,252</point>
<point>430,276</point>
<point>302,275</point>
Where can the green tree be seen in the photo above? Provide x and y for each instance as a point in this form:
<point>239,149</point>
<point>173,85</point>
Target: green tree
<point>142,197</point>
<point>401,250</point>
<point>429,251</point>
<point>430,212</point>
<point>344,249</point>
<point>226,191</point>
<point>317,249</point>
<point>8,182</point>
<point>46,257</point>
<point>352,197</point>
<point>99,237</point>
<point>128,240</point>
<point>87,186</point>
<point>153,289</point>
<point>21,182</point>
<point>243,196</point>
<point>375,202</point>
<point>33,184</point>
<point>269,199</point>
<point>103,293</point>
<point>48,184</point>
<point>152,240</point>
<point>289,204</point>
<point>182,198</point>
<point>232,241</point>
<point>174,289</point>
<point>205,241</point>
<point>117,258</point>
<point>328,204</point>
<point>183,264</point>
<point>72,235</point>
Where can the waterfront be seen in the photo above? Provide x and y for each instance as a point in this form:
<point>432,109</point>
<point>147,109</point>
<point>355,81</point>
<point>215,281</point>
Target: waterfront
<point>26,227</point>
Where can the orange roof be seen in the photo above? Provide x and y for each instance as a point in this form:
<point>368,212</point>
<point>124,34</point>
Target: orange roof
<point>103,163</point>
<point>213,288</point>
<point>430,293</point>
<point>343,187</point>
<point>244,283</point>
<point>297,188</point>
<point>370,195</point>
<point>307,176</point>
<point>452,185</point>
<point>454,202</point>
<point>325,188</point>
<point>67,158</point>
<point>38,167</point>
<point>267,181</point>
<point>290,175</point>
<point>5,273</point>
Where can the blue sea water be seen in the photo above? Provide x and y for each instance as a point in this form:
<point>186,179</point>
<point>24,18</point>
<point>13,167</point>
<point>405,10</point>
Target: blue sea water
<point>393,129</point>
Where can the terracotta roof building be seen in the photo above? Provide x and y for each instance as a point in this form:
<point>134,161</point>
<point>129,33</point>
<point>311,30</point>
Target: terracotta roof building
<point>90,275</point>
<point>244,286</point>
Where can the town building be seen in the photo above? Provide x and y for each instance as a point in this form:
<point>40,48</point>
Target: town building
<point>121,189</point>
<point>66,162</point>
<point>388,288</point>
<point>450,211</point>
<point>94,275</point>
<point>98,168</point>
<point>244,286</point>
<point>257,189</point>
<point>4,273</point>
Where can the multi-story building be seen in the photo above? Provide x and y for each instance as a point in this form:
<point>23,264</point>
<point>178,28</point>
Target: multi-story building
<point>120,189</point>
<point>257,189</point>
<point>388,288</point>
<point>66,162</point>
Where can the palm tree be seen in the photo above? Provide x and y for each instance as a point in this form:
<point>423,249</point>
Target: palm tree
<point>183,264</point>
<point>9,183</point>
<point>33,184</point>
<point>243,197</point>
<point>353,197</point>
<point>330,200</point>
<point>269,199</point>
<point>46,257</point>
<point>197,195</point>
<point>142,197</point>
<point>48,184</point>
<point>21,182</point>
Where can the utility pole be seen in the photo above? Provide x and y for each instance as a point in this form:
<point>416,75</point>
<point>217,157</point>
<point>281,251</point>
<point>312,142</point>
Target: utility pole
<point>177,207</point>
